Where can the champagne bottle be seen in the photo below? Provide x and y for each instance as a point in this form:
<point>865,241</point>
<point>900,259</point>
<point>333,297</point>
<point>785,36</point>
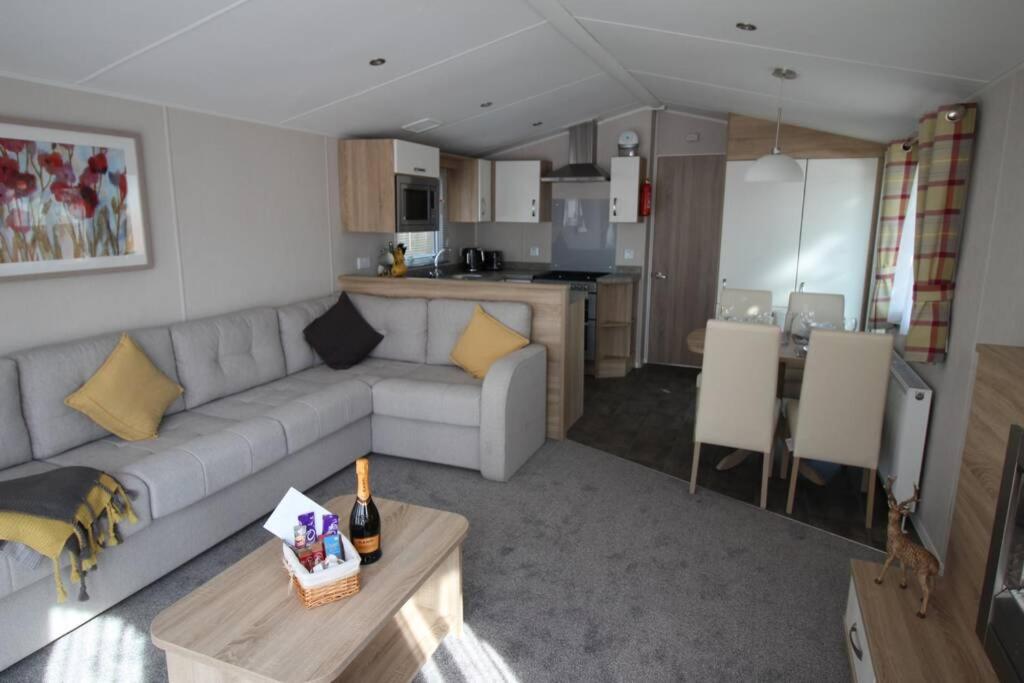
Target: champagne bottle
<point>364,522</point>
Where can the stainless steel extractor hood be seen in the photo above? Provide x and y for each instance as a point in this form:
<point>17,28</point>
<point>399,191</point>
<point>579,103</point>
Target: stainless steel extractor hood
<point>582,155</point>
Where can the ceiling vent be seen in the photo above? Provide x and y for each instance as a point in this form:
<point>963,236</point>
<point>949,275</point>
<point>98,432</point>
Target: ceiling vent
<point>582,155</point>
<point>421,126</point>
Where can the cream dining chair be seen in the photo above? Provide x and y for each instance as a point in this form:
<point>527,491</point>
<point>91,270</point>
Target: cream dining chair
<point>736,402</point>
<point>839,415</point>
<point>828,308</point>
<point>745,302</point>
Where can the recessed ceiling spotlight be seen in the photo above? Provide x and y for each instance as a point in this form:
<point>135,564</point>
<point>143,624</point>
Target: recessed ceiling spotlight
<point>745,26</point>
<point>537,123</point>
<point>379,61</point>
<point>484,105</point>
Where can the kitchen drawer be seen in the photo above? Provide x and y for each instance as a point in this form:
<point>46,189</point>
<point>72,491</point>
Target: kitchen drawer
<point>415,159</point>
<point>856,640</point>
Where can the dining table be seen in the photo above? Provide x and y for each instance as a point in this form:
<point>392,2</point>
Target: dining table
<point>792,354</point>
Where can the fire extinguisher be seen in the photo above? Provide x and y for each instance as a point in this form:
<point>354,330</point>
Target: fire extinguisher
<point>645,198</point>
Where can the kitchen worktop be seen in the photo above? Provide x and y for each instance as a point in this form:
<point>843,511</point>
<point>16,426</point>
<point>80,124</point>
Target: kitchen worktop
<point>514,272</point>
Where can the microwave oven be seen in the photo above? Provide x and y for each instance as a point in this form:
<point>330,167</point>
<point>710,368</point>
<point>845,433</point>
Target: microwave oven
<point>416,203</point>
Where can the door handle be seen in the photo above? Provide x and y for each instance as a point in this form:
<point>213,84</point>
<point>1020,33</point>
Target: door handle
<point>857,651</point>
<point>615,206</point>
<point>660,276</point>
<point>533,208</point>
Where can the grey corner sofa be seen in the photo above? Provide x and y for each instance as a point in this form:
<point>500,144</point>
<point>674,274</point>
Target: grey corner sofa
<point>260,413</point>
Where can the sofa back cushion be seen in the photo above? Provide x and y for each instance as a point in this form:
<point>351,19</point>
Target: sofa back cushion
<point>15,447</point>
<point>293,319</point>
<point>48,374</point>
<point>447,318</point>
<point>225,354</point>
<point>403,322</point>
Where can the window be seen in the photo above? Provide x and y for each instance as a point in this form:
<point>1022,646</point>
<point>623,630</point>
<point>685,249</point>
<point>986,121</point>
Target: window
<point>901,302</point>
<point>419,245</point>
<point>423,245</point>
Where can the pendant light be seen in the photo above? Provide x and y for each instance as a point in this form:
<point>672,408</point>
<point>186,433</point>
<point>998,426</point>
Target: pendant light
<point>776,167</point>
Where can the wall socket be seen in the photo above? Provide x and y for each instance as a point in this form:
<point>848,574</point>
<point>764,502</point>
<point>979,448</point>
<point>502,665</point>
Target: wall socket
<point>362,262</point>
<point>628,254</point>
<point>534,251</point>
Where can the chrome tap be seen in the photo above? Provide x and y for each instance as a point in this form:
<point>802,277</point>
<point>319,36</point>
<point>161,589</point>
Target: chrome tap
<point>437,258</point>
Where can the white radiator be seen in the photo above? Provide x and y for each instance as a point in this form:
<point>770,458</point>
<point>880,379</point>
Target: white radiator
<point>907,406</point>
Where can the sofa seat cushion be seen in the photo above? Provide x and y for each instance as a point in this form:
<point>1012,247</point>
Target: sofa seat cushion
<point>445,402</point>
<point>307,411</point>
<point>223,355</point>
<point>370,371</point>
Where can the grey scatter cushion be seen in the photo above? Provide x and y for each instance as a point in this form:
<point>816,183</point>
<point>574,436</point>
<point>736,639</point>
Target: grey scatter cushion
<point>226,354</point>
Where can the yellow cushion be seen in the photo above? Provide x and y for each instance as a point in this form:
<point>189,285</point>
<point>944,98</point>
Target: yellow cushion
<point>128,395</point>
<point>484,341</point>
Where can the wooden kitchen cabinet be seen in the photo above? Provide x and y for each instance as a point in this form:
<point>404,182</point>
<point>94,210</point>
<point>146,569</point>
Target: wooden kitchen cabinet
<point>367,169</point>
<point>469,189</point>
<point>519,195</point>
<point>624,190</point>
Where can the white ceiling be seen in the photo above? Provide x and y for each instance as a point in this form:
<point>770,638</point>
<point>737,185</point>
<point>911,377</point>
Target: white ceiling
<point>867,68</point>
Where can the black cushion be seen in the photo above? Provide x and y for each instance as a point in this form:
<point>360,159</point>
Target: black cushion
<point>341,336</point>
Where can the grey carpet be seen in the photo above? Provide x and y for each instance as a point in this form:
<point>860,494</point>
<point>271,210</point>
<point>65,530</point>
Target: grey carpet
<point>584,567</point>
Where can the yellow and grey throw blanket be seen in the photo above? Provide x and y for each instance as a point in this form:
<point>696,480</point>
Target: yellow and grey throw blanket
<point>73,508</point>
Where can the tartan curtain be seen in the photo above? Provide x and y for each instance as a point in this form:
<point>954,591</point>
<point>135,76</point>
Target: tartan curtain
<point>897,179</point>
<point>944,158</point>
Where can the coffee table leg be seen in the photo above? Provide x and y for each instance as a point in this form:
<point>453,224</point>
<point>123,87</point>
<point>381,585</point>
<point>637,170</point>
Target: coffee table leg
<point>442,592</point>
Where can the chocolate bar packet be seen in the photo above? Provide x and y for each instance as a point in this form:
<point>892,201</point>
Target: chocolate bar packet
<point>330,525</point>
<point>309,519</point>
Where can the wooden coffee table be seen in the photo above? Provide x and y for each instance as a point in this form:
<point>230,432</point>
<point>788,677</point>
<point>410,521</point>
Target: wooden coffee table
<point>246,624</point>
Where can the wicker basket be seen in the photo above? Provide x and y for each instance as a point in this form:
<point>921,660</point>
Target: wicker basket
<point>330,592</point>
<point>327,586</point>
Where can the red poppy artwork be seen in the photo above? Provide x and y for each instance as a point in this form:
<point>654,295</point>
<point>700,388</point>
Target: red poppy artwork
<point>69,201</point>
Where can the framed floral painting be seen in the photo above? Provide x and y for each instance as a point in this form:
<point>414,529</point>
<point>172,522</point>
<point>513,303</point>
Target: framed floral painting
<point>69,201</point>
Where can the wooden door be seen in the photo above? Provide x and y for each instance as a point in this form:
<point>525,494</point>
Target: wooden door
<point>688,202</point>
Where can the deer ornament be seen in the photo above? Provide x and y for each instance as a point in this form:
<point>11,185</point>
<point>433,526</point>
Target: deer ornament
<point>911,556</point>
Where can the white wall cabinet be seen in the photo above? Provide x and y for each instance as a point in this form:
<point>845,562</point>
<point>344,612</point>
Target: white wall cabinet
<point>519,195</point>
<point>624,190</point>
<point>412,158</point>
<point>484,184</point>
<point>817,232</point>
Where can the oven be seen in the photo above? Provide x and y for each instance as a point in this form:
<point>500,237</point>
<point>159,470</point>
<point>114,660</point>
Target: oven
<point>416,204</point>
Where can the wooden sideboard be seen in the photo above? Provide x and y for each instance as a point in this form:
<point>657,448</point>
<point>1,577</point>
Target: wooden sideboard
<point>557,324</point>
<point>946,646</point>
